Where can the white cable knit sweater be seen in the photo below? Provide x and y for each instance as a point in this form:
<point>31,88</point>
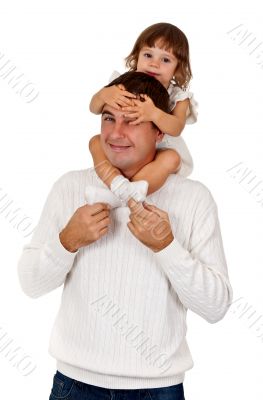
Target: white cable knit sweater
<point>122,319</point>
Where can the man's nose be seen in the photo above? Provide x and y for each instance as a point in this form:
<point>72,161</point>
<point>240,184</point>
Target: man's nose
<point>118,130</point>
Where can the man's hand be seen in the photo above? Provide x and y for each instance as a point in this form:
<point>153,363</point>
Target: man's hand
<point>116,96</point>
<point>142,111</point>
<point>150,225</point>
<point>88,224</point>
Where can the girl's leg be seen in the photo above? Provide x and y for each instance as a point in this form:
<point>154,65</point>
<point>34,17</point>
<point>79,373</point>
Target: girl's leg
<point>105,170</point>
<point>166,162</point>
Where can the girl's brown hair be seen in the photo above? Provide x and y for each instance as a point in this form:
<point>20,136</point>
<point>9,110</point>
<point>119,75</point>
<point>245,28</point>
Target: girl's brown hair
<point>170,38</point>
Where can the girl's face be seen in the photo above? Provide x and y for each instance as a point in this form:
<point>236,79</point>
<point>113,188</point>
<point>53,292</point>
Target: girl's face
<point>157,62</point>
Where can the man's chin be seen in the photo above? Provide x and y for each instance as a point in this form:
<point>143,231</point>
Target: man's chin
<point>120,164</point>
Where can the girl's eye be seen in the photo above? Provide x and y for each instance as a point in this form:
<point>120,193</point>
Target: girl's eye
<point>166,60</point>
<point>148,55</point>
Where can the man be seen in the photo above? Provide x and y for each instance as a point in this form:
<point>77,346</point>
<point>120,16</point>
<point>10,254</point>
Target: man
<point>129,273</point>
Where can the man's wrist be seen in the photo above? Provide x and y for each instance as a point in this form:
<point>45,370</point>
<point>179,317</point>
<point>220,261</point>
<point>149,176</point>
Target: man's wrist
<point>67,243</point>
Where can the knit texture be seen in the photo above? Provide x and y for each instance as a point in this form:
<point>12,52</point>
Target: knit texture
<point>122,319</point>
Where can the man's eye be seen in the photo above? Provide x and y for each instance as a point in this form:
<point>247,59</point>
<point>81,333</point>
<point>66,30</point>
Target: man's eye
<point>110,119</point>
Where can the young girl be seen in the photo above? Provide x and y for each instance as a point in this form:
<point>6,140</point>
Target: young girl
<point>161,51</point>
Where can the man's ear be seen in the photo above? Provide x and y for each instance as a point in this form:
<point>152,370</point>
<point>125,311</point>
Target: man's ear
<point>159,136</point>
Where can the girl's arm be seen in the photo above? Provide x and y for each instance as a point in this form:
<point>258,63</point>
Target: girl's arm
<point>115,96</point>
<point>172,124</point>
<point>97,102</point>
<point>166,162</point>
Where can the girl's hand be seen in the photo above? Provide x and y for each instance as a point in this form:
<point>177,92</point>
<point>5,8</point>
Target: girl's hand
<point>117,97</point>
<point>142,111</point>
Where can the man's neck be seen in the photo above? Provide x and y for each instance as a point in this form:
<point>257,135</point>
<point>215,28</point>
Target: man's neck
<point>131,172</point>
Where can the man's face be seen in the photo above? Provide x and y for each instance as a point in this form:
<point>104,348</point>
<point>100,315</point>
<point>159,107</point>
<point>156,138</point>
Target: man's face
<point>127,147</point>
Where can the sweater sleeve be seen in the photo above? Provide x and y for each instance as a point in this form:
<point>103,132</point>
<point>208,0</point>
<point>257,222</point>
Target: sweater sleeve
<point>199,275</point>
<point>44,262</point>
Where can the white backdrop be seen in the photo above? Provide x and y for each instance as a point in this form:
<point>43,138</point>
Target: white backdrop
<point>53,56</point>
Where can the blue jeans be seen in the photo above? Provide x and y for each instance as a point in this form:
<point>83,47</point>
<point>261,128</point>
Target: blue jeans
<point>70,389</point>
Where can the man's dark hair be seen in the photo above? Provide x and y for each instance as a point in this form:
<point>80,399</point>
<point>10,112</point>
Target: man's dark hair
<point>141,83</point>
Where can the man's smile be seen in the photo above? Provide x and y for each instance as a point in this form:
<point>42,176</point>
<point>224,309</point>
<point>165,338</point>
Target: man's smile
<point>118,148</point>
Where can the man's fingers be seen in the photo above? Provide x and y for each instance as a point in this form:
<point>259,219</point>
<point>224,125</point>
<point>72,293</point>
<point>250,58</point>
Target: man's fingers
<point>131,228</point>
<point>103,231</point>
<point>146,221</point>
<point>162,229</point>
<point>98,207</point>
<point>155,209</point>
<point>141,217</point>
<point>103,223</point>
<point>145,214</point>
<point>135,206</point>
<point>137,210</point>
<point>101,215</point>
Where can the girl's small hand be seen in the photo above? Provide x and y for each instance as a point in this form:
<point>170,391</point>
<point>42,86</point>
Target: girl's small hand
<point>142,111</point>
<point>117,97</point>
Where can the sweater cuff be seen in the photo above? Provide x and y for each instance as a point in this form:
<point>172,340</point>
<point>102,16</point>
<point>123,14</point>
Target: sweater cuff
<point>171,255</point>
<point>58,251</point>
